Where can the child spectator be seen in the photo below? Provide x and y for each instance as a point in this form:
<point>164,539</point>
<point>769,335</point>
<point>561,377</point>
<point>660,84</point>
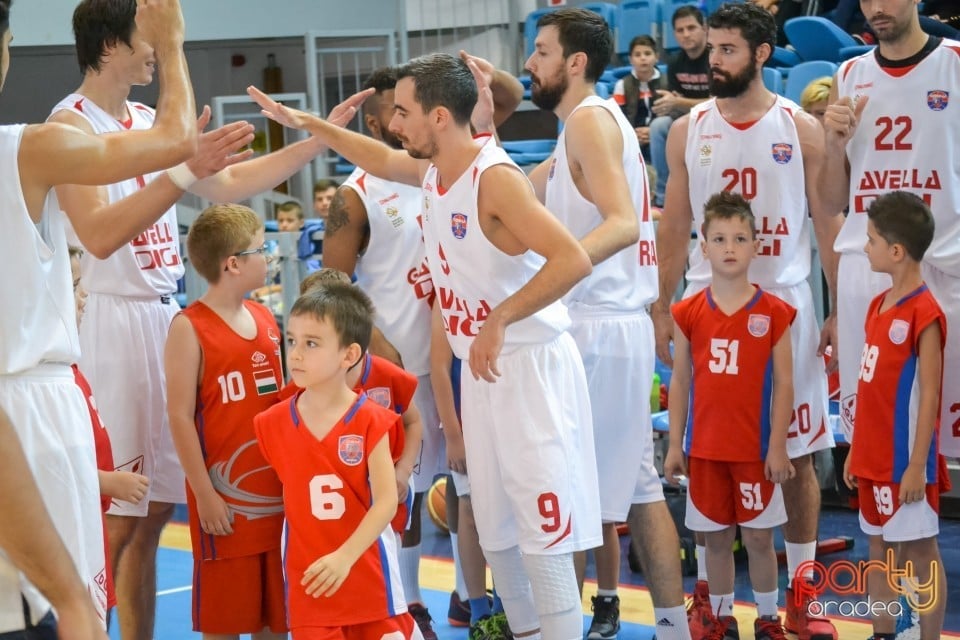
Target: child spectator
<point>330,448</point>
<point>737,338</point>
<point>289,216</point>
<point>894,455</point>
<point>323,192</point>
<point>222,362</point>
<point>815,96</point>
<point>636,91</point>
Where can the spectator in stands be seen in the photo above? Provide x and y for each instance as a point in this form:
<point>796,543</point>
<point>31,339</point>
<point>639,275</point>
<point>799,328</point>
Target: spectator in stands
<point>323,192</point>
<point>289,216</point>
<point>814,98</point>
<point>687,84</point>
<point>939,18</point>
<point>635,91</point>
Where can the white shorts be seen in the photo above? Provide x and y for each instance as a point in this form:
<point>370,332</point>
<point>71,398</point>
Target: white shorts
<point>122,341</point>
<point>857,286</point>
<point>617,354</point>
<point>529,444</point>
<point>433,452</point>
<point>809,427</point>
<point>50,415</point>
<point>461,484</point>
<point>946,289</point>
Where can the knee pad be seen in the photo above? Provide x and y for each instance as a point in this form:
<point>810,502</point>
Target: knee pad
<point>513,587</point>
<point>554,583</point>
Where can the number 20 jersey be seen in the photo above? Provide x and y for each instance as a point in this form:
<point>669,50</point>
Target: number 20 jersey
<point>326,493</point>
<point>761,161</point>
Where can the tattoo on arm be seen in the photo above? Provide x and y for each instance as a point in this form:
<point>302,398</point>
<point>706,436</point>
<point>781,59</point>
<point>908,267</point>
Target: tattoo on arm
<point>337,218</point>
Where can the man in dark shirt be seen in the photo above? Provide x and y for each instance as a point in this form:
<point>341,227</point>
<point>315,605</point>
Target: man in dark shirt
<point>687,84</point>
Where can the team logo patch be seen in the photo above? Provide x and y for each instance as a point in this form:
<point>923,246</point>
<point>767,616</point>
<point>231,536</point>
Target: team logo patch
<point>380,395</point>
<point>351,450</point>
<point>898,331</point>
<point>758,325</point>
<point>938,100</point>
<point>458,225</point>
<point>706,153</point>
<point>258,358</point>
<point>781,152</point>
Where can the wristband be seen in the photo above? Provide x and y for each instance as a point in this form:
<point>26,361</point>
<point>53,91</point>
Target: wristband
<point>181,176</point>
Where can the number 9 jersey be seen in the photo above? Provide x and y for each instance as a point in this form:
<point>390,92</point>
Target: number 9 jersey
<point>326,493</point>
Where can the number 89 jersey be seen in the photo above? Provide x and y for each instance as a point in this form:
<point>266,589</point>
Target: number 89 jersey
<point>326,493</point>
<point>887,392</point>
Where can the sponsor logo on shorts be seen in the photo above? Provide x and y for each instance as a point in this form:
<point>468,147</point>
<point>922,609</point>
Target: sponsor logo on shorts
<point>938,100</point>
<point>899,329</point>
<point>782,152</point>
<point>351,450</point>
<point>848,410</point>
<point>758,325</point>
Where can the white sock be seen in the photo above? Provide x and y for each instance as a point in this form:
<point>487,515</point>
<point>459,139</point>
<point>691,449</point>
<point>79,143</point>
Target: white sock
<point>409,560</point>
<point>701,563</point>
<point>799,553</point>
<point>606,593</point>
<point>766,602</point>
<point>671,623</point>
<point>722,605</point>
<point>461,583</point>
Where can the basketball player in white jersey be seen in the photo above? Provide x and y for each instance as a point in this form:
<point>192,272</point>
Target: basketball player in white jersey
<point>500,263</point>
<point>751,141</point>
<point>131,299</point>
<point>38,324</point>
<point>595,183</point>
<point>894,124</point>
<point>891,125</point>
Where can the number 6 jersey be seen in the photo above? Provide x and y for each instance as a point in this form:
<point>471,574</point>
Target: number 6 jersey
<point>326,493</point>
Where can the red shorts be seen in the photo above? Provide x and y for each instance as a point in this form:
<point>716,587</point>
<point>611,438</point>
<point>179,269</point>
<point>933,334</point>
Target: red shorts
<point>239,595</point>
<point>882,514</point>
<point>721,494</point>
<point>396,628</point>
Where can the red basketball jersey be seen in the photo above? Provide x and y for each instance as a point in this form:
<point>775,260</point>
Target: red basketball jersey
<point>240,378</point>
<point>731,390</point>
<point>326,493</point>
<point>888,391</point>
<point>101,439</point>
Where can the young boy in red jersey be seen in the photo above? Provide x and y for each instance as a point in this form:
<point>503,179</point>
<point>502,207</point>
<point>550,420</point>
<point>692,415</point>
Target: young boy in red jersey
<point>114,485</point>
<point>389,386</point>
<point>222,363</point>
<point>330,447</point>
<point>894,455</point>
<point>737,339</point>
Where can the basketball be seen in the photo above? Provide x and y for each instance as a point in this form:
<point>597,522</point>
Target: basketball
<point>437,504</point>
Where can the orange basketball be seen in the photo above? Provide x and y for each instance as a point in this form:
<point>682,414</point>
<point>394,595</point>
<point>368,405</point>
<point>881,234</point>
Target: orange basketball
<point>437,504</point>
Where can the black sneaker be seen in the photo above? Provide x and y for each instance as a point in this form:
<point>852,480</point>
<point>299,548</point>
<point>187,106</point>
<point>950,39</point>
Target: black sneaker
<point>606,618</point>
<point>458,613</point>
<point>422,617</point>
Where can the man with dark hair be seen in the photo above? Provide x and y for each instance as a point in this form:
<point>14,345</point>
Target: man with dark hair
<point>753,142</point>
<point>595,183</point>
<point>37,389</point>
<point>500,263</point>
<point>686,87</point>
<point>131,284</point>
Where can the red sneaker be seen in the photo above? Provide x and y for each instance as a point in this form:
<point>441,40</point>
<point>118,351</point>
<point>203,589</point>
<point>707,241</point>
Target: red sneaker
<point>700,615</point>
<point>768,628</point>
<point>801,622</point>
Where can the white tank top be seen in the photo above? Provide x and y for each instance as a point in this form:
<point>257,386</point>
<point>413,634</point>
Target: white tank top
<point>393,270</point>
<point>762,162</point>
<point>626,281</point>
<point>471,275</point>
<point>39,322</point>
<point>150,265</point>
<point>909,139</point>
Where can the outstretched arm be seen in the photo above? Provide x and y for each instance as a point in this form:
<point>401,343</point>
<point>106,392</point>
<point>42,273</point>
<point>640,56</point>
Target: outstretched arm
<point>365,152</point>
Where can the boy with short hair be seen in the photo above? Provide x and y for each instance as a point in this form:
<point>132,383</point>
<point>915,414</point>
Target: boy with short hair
<point>289,216</point>
<point>636,91</point>
<point>737,338</point>
<point>894,455</point>
<point>330,448</point>
<point>222,362</point>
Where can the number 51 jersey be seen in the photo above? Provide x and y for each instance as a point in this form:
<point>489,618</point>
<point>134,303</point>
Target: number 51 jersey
<point>326,493</point>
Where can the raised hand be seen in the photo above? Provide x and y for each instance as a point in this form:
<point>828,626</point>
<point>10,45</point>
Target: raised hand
<point>841,119</point>
<point>343,113</point>
<point>219,148</point>
<point>288,117</point>
<point>160,23</point>
<point>482,117</point>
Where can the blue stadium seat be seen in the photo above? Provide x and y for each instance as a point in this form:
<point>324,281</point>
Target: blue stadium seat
<point>669,7</point>
<point>636,18</point>
<point>804,73</point>
<point>619,72</point>
<point>783,58</point>
<point>773,80</point>
<point>603,89</point>
<point>544,145</point>
<point>605,9</point>
<point>816,38</point>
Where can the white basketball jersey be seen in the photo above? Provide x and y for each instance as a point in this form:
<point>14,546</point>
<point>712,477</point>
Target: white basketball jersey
<point>627,280</point>
<point>150,265</point>
<point>908,139</point>
<point>763,162</point>
<point>393,269</point>
<point>38,323</point>
<point>471,275</point>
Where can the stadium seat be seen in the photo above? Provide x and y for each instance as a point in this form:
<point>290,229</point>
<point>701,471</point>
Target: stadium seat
<point>783,58</point>
<point>816,38</point>
<point>636,18</point>
<point>803,74</point>
<point>773,80</point>
<point>603,89</point>
<point>619,72</point>
<point>605,9</point>
<point>529,151</point>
